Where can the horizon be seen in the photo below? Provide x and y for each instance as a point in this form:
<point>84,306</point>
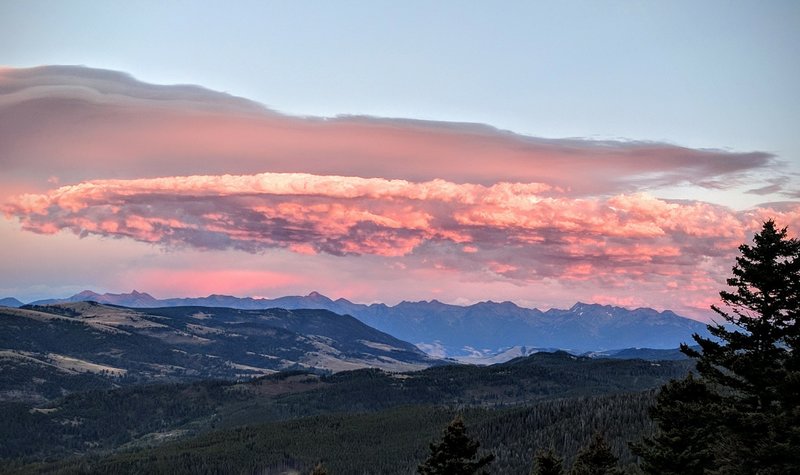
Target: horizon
<point>314,293</point>
<point>386,153</point>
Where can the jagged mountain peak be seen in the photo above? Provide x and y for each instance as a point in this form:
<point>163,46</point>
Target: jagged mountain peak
<point>487,325</point>
<point>317,296</point>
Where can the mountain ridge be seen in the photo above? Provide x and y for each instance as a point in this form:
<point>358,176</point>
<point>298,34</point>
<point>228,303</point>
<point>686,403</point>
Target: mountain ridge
<point>84,345</point>
<point>126,300</point>
<point>10,302</point>
<point>487,327</point>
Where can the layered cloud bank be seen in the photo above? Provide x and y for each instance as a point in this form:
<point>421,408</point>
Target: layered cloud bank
<point>523,231</point>
<point>98,153</point>
<point>76,123</point>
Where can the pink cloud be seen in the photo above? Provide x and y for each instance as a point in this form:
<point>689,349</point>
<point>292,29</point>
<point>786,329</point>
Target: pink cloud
<point>618,301</point>
<point>523,232</point>
<point>459,210</point>
<point>79,124</point>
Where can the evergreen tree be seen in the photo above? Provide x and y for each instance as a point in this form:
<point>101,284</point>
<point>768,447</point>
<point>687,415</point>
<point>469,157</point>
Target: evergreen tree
<point>547,462</point>
<point>596,459</point>
<point>455,454</point>
<point>751,359</point>
<point>687,430</point>
<point>754,366</point>
<point>747,401</point>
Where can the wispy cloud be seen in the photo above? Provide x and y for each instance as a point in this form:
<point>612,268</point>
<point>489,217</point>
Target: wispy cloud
<point>774,185</point>
<point>77,123</point>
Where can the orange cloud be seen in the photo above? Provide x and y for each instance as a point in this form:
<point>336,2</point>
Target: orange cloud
<point>513,230</point>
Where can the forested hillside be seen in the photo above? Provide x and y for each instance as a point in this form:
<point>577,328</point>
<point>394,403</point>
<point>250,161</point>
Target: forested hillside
<point>386,442</point>
<point>140,416</point>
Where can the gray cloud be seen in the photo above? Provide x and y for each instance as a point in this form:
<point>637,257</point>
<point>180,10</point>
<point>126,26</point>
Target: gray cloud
<point>75,123</point>
<point>775,185</point>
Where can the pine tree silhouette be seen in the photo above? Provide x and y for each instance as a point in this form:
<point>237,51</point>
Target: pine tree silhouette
<point>455,454</point>
<point>547,462</point>
<point>596,459</point>
<point>742,415</point>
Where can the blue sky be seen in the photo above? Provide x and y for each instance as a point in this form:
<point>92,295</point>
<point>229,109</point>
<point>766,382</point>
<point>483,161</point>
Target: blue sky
<point>703,74</point>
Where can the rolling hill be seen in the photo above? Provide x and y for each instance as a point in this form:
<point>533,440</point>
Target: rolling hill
<point>50,350</point>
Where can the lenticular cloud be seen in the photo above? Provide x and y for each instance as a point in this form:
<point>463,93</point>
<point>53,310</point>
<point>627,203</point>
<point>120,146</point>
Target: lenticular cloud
<point>515,230</point>
<point>81,124</point>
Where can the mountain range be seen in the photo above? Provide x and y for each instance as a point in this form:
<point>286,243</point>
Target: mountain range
<point>479,331</point>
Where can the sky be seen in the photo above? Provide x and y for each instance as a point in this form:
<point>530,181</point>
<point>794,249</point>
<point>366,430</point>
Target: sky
<point>538,152</point>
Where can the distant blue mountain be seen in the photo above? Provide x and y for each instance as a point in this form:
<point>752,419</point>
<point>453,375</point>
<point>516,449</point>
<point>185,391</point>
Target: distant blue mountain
<point>10,302</point>
<point>649,354</point>
<point>454,330</point>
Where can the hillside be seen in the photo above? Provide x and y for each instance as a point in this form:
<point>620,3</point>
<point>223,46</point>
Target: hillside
<point>10,302</point>
<point>389,442</point>
<point>47,351</point>
<point>140,416</point>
